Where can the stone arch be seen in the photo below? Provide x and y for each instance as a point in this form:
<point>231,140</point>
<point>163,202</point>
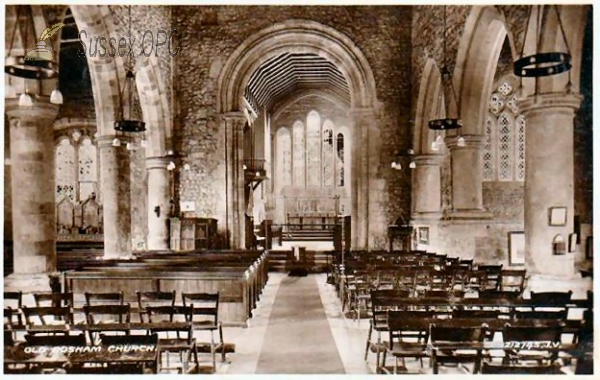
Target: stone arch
<point>574,19</point>
<point>428,106</point>
<point>108,74</point>
<point>308,37</point>
<point>296,97</point>
<point>301,36</point>
<point>476,61</point>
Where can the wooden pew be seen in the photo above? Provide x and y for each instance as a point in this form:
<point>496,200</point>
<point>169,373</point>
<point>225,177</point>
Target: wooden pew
<point>238,283</point>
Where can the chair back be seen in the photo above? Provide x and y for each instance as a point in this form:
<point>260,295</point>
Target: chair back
<point>403,324</point>
<point>147,299</point>
<point>53,299</point>
<point>15,299</point>
<point>497,294</point>
<point>550,332</point>
<point>512,280</point>
<point>96,314</point>
<point>551,299</point>
<point>44,315</point>
<point>559,315</point>
<point>110,298</point>
<point>205,306</point>
<point>459,331</point>
<point>475,314</point>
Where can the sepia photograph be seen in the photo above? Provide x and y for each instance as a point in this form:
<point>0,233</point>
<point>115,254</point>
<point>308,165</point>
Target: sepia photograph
<point>319,188</point>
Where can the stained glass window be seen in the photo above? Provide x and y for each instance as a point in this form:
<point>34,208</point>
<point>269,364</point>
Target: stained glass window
<point>298,153</point>
<point>65,171</point>
<point>87,169</point>
<point>340,160</point>
<point>503,154</point>
<point>76,169</point>
<point>520,149</point>
<point>328,163</point>
<point>313,149</point>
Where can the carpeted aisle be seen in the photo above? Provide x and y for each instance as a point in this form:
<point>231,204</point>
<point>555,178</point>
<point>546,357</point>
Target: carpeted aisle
<point>298,338</point>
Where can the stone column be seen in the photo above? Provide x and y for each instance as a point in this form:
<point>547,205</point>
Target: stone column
<point>427,189</point>
<point>467,188</point>
<point>158,202</point>
<point>33,188</point>
<point>115,177</point>
<point>234,122</point>
<point>549,166</point>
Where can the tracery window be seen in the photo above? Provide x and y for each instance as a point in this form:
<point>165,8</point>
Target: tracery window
<point>503,154</point>
<point>317,155</point>
<point>76,169</point>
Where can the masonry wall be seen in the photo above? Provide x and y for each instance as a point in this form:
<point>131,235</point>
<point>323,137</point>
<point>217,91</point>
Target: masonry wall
<point>210,35</point>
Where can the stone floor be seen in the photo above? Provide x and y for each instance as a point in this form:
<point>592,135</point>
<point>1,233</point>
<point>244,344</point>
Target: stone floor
<point>349,335</point>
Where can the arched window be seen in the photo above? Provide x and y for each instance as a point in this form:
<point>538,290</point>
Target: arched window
<point>313,149</point>
<point>503,155</point>
<point>65,171</point>
<point>327,161</point>
<point>76,169</point>
<point>340,160</point>
<point>284,151</point>
<point>298,154</point>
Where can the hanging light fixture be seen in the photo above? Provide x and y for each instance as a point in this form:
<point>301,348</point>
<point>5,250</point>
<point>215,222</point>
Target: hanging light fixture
<point>446,123</point>
<point>397,163</point>
<point>541,64</point>
<point>126,124</point>
<point>38,63</point>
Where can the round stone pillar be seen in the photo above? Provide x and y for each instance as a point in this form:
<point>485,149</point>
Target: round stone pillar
<point>115,183</point>
<point>33,189</point>
<point>427,190</point>
<point>548,179</point>
<point>236,199</point>
<point>467,188</point>
<point>158,202</point>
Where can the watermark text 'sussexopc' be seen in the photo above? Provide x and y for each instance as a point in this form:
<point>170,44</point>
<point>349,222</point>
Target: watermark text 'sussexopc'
<point>124,46</point>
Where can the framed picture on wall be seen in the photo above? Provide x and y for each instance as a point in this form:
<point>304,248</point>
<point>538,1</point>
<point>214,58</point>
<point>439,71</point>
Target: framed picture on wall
<point>423,235</point>
<point>516,248</point>
<point>557,216</point>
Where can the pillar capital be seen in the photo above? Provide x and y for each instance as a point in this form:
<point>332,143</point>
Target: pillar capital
<point>555,100</point>
<point>236,117</point>
<point>157,162</point>
<point>106,141</point>
<point>39,111</point>
<point>429,159</point>
<point>471,142</point>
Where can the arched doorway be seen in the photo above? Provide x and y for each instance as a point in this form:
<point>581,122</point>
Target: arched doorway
<point>326,60</point>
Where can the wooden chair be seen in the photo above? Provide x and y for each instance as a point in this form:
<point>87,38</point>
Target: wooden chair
<point>512,280</point>
<point>381,302</point>
<point>53,299</point>
<point>453,343</point>
<point>549,332</point>
<point>183,342</point>
<point>146,299</point>
<point>96,315</point>
<point>504,369</point>
<point>51,341</point>
<point>14,301</point>
<point>408,335</point>
<point>110,298</point>
<point>47,315</point>
<point>205,317</point>
<point>491,276</point>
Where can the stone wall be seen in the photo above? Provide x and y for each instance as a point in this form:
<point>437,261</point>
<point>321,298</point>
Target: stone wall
<point>209,36</point>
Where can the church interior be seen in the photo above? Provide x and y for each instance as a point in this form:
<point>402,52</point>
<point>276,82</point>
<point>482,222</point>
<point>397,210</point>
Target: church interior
<point>370,189</point>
